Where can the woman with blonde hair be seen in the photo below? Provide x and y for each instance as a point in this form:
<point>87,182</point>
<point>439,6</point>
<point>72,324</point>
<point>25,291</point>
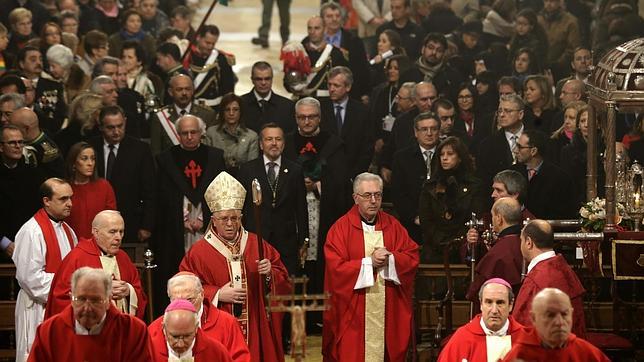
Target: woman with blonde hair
<point>563,136</point>
<point>20,22</point>
<point>540,101</point>
<point>82,121</point>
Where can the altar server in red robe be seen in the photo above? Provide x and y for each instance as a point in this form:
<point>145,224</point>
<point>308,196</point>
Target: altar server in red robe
<point>371,263</point>
<point>550,339</point>
<point>182,339</point>
<point>490,335</point>
<point>547,270</point>
<point>101,251</point>
<point>214,323</point>
<point>91,328</point>
<point>40,246</point>
<point>227,262</point>
<point>504,258</point>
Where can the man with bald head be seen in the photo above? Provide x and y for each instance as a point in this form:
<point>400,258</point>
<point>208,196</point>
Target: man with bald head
<point>102,251</point>
<point>551,338</point>
<point>503,257</point>
<point>91,328</point>
<point>180,102</point>
<point>571,90</point>
<point>41,150</point>
<point>40,245</point>
<point>490,335</point>
<point>214,323</point>
<point>547,270</point>
<point>182,339</point>
<point>184,172</point>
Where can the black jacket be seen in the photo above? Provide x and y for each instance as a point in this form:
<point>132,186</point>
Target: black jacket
<point>279,109</point>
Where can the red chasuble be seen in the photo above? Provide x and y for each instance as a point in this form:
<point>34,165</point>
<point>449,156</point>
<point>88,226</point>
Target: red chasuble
<point>87,253</point>
<point>344,324</point>
<point>551,273</point>
<point>205,349</point>
<point>123,338</point>
<point>469,343</point>
<point>217,325</point>
<point>212,268</point>
<point>528,348</point>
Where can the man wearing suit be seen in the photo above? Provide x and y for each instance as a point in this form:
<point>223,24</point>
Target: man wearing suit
<point>184,173</point>
<point>495,153</point>
<point>262,105</point>
<point>285,222</point>
<point>411,167</point>
<point>349,119</point>
<point>163,134</point>
<point>127,164</point>
<point>546,181</point>
<point>351,46</point>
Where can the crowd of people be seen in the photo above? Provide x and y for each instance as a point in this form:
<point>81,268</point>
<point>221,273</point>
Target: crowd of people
<point>120,124</point>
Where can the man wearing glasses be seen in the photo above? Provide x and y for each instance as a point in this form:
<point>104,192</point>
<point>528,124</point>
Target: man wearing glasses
<point>91,328</point>
<point>235,278</point>
<point>104,251</point>
<point>496,152</point>
<point>183,174</point>
<point>182,339</point>
<point>370,268</point>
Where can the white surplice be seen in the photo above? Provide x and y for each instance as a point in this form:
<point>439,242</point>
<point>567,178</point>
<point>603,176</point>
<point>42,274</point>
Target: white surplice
<point>29,256</point>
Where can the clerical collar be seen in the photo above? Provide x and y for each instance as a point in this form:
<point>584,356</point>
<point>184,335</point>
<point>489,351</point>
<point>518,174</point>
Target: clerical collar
<point>370,223</point>
<point>500,333</point>
<point>187,353</point>
<point>56,221</point>
<point>96,330</point>
<point>541,257</point>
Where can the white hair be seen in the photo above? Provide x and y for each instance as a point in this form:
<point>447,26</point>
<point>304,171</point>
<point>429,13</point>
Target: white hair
<point>202,124</point>
<point>98,275</point>
<point>182,280</point>
<point>60,55</point>
<point>366,176</point>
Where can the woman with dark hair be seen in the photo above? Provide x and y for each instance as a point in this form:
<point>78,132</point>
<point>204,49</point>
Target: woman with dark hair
<point>528,33</point>
<point>487,96</point>
<point>239,143</point>
<point>145,83</point>
<point>91,194</point>
<point>389,44</point>
<point>131,29</point>
<point>383,101</point>
<point>50,34</point>
<point>524,64</point>
<point>448,199</point>
<point>540,110</point>
<point>469,119</point>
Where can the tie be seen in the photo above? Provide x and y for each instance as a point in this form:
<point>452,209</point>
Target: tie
<point>513,144</point>
<point>183,112</point>
<point>531,173</point>
<point>428,162</point>
<point>271,174</point>
<point>111,158</point>
<point>338,118</point>
<point>262,104</point>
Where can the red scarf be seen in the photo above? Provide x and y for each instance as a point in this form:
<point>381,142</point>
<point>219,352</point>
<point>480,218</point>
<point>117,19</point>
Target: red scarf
<point>52,257</point>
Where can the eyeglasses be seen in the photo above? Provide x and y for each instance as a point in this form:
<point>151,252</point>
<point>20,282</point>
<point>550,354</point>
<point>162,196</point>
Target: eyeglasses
<point>93,302</point>
<point>227,219</point>
<point>469,96</point>
<point>14,143</point>
<point>506,111</point>
<point>184,338</point>
<point>520,147</point>
<point>307,117</point>
<point>398,97</point>
<point>369,195</point>
<point>428,129</point>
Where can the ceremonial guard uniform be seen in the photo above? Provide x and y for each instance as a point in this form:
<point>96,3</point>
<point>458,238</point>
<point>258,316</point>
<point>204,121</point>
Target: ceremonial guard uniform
<point>50,104</point>
<point>213,75</point>
<point>163,134</point>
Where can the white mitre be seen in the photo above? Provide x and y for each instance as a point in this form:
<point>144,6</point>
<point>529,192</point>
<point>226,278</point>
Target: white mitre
<point>225,193</point>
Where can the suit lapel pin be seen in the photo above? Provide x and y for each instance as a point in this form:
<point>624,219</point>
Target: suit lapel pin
<point>464,189</point>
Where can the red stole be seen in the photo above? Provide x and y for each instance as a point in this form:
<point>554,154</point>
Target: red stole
<point>52,257</point>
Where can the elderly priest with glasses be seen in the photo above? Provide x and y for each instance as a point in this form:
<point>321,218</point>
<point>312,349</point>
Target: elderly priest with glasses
<point>370,267</point>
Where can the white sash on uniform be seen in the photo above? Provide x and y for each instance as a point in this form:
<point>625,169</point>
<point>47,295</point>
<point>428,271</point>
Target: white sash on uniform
<point>164,118</point>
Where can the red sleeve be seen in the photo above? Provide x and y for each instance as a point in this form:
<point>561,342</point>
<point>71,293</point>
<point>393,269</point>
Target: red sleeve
<point>523,302</point>
<point>39,350</point>
<point>236,345</point>
<point>407,258</point>
<point>192,264</point>
<point>139,343</point>
<point>61,286</point>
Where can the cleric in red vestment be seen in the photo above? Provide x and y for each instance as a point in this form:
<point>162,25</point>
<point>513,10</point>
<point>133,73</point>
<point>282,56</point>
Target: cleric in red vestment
<point>547,270</point>
<point>551,340</point>
<point>91,328</point>
<point>181,339</point>
<point>371,263</point>
<point>214,323</point>
<point>490,335</point>
<point>103,252</point>
<point>503,259</point>
<point>227,262</point>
